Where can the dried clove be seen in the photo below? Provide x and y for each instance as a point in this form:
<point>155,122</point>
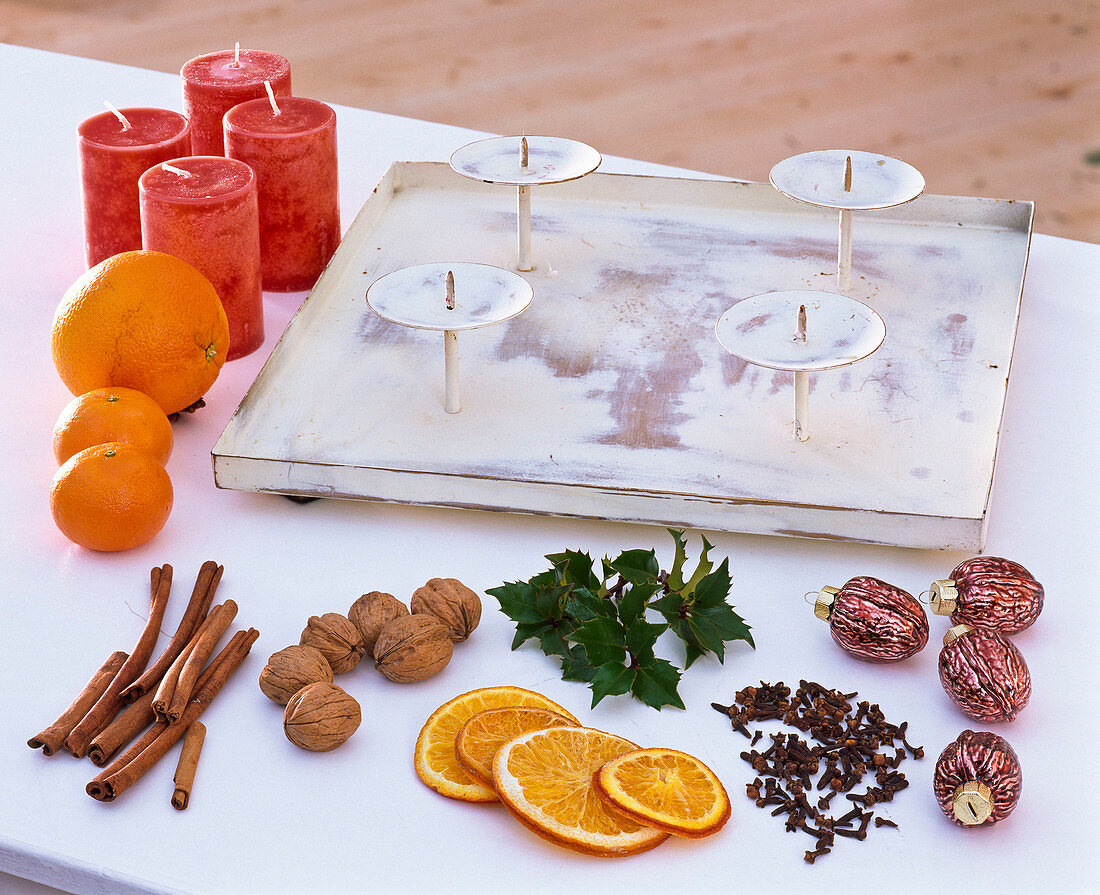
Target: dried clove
<point>845,744</point>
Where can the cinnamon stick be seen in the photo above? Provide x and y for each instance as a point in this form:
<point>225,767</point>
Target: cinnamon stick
<point>162,698</point>
<point>205,640</point>
<point>131,721</point>
<point>206,585</point>
<point>53,737</point>
<point>184,778</point>
<point>153,731</point>
<point>129,768</point>
<point>108,705</point>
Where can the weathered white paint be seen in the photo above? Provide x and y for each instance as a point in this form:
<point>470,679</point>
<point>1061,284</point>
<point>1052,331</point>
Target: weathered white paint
<point>610,397</point>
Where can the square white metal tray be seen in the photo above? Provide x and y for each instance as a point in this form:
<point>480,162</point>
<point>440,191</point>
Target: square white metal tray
<point>610,397</point>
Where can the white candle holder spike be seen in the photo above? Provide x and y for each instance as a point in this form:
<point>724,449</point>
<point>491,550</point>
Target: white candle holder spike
<point>849,181</point>
<point>803,332</point>
<point>524,162</point>
<point>449,298</point>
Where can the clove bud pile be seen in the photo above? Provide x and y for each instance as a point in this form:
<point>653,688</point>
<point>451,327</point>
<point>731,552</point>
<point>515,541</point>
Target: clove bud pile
<point>850,744</point>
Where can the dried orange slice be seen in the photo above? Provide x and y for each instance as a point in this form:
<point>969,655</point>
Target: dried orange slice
<point>544,778</point>
<point>480,737</point>
<point>435,760</point>
<point>666,789</point>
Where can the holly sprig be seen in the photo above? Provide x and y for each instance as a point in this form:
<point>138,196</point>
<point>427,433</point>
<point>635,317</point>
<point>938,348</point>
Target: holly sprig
<point>604,626</point>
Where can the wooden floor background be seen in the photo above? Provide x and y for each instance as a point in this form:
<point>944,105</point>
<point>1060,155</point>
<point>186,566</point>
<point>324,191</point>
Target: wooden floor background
<point>997,98</point>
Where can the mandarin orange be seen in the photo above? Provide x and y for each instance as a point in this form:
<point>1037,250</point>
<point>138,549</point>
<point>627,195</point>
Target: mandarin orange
<point>144,320</point>
<point>112,414</point>
<point>110,497</point>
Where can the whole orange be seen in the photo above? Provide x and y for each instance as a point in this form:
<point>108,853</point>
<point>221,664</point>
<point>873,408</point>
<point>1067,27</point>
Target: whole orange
<point>144,320</point>
<point>113,496</point>
<point>112,414</point>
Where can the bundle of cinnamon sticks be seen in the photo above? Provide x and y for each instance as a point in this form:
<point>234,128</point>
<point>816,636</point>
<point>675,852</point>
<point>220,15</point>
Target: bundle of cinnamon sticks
<point>125,699</point>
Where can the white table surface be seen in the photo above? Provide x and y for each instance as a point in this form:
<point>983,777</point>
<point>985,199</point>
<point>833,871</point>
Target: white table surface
<point>267,817</point>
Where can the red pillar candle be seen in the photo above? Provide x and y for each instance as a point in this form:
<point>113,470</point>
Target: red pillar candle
<point>112,158</point>
<point>207,215</point>
<point>293,153</point>
<point>213,84</point>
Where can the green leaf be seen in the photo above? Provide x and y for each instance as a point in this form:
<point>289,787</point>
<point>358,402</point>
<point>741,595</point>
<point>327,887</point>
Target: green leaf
<point>676,575</point>
<point>655,684</point>
<point>701,570</point>
<point>706,631</point>
<point>633,603</point>
<point>584,605</point>
<point>602,639</point>
<point>526,630</point>
<point>726,623</point>
<point>518,601</point>
<point>611,679</point>
<point>552,641</point>
<point>637,566</point>
<point>608,640</point>
<point>549,578</point>
<point>574,567</point>
<point>669,606</point>
<point>575,667</point>
<point>640,637</point>
<point>713,589</point>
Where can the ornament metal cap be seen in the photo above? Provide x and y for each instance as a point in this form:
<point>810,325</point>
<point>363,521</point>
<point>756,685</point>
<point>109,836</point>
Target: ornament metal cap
<point>972,803</point>
<point>823,605</point>
<point>944,596</point>
<point>955,633</point>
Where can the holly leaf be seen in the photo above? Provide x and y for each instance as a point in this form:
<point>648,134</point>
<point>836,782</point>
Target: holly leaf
<point>725,624</point>
<point>575,568</point>
<point>701,570</point>
<point>552,640</point>
<point>584,605</point>
<point>519,601</point>
<point>637,566</point>
<point>602,639</point>
<point>676,574</point>
<point>527,630</point>
<point>576,667</point>
<point>707,630</point>
<point>713,589</point>
<point>611,679</point>
<point>606,638</point>
<point>632,606</point>
<point>640,638</point>
<point>655,684</point>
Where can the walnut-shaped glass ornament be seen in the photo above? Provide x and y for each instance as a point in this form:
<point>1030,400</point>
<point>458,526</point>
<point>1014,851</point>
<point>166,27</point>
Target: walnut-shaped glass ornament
<point>872,620</point>
<point>977,779</point>
<point>984,673</point>
<point>989,592</point>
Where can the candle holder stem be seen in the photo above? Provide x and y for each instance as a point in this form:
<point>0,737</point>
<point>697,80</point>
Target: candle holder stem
<point>844,252</point>
<point>802,406</point>
<point>524,215</point>
<point>452,404</point>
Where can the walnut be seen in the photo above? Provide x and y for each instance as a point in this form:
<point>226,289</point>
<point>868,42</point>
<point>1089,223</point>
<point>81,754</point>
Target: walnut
<point>412,648</point>
<point>337,638</point>
<point>370,614</point>
<point>320,717</point>
<point>290,669</point>
<point>452,602</point>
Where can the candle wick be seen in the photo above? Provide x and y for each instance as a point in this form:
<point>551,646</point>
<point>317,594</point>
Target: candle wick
<point>450,290</point>
<point>125,123</point>
<point>800,330</point>
<point>271,98</point>
<point>848,174</point>
<point>172,169</point>
<point>237,54</point>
